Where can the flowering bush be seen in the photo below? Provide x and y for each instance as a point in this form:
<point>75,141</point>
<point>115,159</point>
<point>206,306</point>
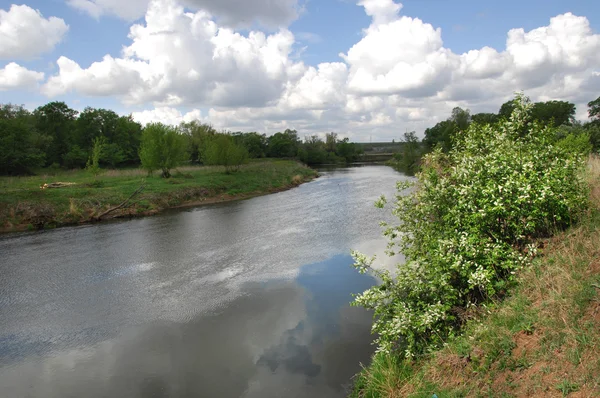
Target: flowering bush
<point>469,224</point>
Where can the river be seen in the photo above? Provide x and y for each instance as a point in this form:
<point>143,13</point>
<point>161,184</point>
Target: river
<point>243,299</point>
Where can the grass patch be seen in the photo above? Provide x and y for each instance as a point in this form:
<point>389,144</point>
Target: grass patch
<point>542,340</point>
<point>23,202</point>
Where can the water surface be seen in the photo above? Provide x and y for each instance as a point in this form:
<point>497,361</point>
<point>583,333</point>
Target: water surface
<point>244,299</point>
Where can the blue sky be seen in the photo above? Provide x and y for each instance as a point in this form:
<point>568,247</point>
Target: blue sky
<point>322,31</point>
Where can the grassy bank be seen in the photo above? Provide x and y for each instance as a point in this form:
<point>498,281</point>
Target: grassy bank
<point>543,340</point>
<point>24,205</point>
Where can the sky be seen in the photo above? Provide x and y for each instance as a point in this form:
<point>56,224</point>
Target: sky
<point>366,69</point>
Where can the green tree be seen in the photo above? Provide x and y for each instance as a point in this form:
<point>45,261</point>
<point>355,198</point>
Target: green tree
<point>507,109</point>
<point>331,140</point>
<point>409,158</point>
<point>557,113</point>
<point>199,135</point>
<point>284,145</point>
<point>162,148</point>
<point>127,137</point>
<point>256,144</point>
<point>349,151</point>
<point>461,117</point>
<point>485,118</point>
<point>223,151</point>
<point>76,157</point>
<point>440,135</point>
<point>313,151</point>
<point>20,145</point>
<point>93,163</point>
<point>56,120</point>
<point>594,109</point>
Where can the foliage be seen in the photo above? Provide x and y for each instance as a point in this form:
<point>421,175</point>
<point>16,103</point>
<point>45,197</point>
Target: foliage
<point>594,109</point>
<point>76,158</point>
<point>331,140</point>
<point>19,142</point>
<point>576,143</point>
<point>349,151</point>
<point>93,163</point>
<point>56,120</point>
<point>440,135</point>
<point>198,135</point>
<point>468,226</point>
<point>408,160</point>
<point>162,147</point>
<point>507,108</point>
<point>284,145</point>
<point>485,118</point>
<point>256,144</point>
<point>313,150</point>
<point>557,113</point>
<point>223,151</point>
<point>22,198</point>
<point>545,327</point>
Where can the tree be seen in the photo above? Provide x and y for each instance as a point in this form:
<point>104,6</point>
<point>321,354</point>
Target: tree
<point>198,135</point>
<point>461,117</point>
<point>557,113</point>
<point>256,144</point>
<point>162,147</point>
<point>507,109</point>
<point>284,145</point>
<point>594,109</point>
<point>485,118</point>
<point>313,150</point>
<point>56,120</point>
<point>331,141</point>
<point>19,142</point>
<point>409,158</point>
<point>127,136</point>
<point>93,163</point>
<point>349,151</point>
<point>223,151</point>
<point>440,135</point>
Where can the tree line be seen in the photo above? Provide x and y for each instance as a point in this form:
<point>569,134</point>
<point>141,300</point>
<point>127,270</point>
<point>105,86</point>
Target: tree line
<point>56,136</point>
<point>558,115</point>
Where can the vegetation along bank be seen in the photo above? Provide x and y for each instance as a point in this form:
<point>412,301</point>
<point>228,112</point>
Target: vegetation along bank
<point>75,196</point>
<point>500,292</point>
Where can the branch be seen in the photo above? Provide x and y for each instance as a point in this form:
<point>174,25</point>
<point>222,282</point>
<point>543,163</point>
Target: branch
<point>125,203</point>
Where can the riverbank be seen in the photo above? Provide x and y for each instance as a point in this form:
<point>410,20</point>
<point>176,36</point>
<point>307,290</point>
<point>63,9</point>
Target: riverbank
<point>543,340</point>
<point>24,205</point>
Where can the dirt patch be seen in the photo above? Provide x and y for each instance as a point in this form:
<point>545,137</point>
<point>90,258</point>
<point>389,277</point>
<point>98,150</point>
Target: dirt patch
<point>525,343</point>
<point>449,370</point>
<point>592,313</point>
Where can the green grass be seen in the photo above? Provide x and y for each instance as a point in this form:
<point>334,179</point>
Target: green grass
<point>542,340</point>
<point>23,202</point>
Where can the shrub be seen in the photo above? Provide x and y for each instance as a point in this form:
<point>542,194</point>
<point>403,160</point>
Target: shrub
<point>468,225</point>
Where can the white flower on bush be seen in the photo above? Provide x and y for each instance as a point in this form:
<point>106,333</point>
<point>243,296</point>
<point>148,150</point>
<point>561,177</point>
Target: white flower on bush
<point>459,226</point>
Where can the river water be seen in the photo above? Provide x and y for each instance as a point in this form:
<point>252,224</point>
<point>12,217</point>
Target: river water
<point>244,299</point>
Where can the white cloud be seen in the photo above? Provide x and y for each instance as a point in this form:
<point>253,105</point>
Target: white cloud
<point>105,78</point>
<point>382,11</point>
<point>15,77</point>
<point>398,76</point>
<point>166,115</point>
<point>25,33</point>
<point>234,13</point>
<point>179,57</point>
